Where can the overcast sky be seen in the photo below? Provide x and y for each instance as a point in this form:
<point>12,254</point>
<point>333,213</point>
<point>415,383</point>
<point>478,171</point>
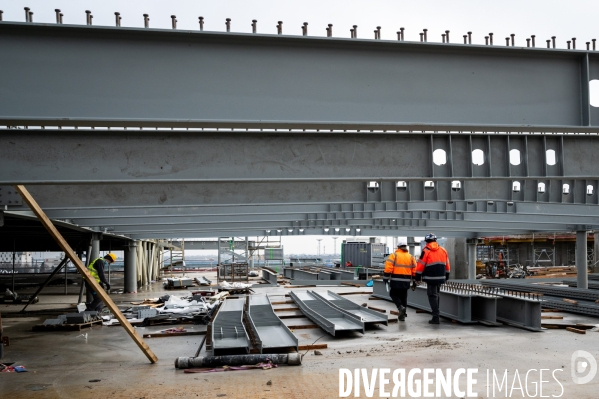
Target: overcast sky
<point>564,19</point>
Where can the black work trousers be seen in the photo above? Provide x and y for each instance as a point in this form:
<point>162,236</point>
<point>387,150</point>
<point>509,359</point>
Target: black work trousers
<point>432,290</point>
<point>399,297</point>
<point>96,304</point>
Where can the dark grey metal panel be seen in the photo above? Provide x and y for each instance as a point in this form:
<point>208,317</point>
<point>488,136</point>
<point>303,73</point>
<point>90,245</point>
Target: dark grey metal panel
<point>100,72</point>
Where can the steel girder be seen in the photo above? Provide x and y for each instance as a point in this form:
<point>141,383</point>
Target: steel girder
<point>409,228</point>
<point>323,211</point>
<point>390,218</point>
<point>103,156</point>
<point>95,74</point>
<point>364,232</point>
<point>496,217</point>
<point>306,192</point>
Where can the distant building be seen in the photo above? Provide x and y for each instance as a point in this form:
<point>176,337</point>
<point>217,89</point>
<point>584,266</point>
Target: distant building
<point>20,257</point>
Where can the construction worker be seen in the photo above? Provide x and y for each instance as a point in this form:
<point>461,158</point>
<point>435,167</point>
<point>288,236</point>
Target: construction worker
<point>400,268</point>
<point>96,269</point>
<point>433,269</point>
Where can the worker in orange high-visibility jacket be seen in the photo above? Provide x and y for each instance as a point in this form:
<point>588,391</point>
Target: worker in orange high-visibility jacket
<point>433,268</point>
<point>400,268</point>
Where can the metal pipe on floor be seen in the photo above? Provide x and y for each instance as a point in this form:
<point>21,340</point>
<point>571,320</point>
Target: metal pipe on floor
<point>582,278</point>
<point>290,359</point>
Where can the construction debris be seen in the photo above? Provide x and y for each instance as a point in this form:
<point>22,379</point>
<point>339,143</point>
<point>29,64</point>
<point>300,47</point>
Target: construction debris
<point>171,283</point>
<point>70,321</point>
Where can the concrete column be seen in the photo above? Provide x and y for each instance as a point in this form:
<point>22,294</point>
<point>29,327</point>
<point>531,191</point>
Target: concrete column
<point>471,243</point>
<point>247,250</point>
<point>95,254</point>
<point>96,237</point>
<point>458,258</point>
<point>596,252</point>
<point>411,245</point>
<point>218,261</point>
<point>582,278</point>
<point>131,267</point>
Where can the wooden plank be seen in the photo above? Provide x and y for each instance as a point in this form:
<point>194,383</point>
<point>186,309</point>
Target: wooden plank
<point>285,309</point>
<point>572,301</point>
<point>291,316</point>
<point>355,293</point>
<point>552,317</point>
<point>395,312</point>
<point>566,325</point>
<point>576,330</point>
<point>65,327</point>
<point>312,347</point>
<point>179,334</point>
<point>297,286</point>
<point>550,310</point>
<point>422,311</point>
<point>353,284</point>
<point>303,327</point>
<point>64,245</point>
<point>377,309</point>
<point>281,302</point>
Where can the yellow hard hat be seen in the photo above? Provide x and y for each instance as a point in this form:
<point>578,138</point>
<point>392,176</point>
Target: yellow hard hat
<point>111,256</point>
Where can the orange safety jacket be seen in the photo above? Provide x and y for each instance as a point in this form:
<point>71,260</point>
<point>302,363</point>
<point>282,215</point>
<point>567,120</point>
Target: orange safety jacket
<point>400,267</point>
<point>433,265</point>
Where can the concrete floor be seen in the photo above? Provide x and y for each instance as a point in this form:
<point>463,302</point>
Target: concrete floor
<point>62,364</point>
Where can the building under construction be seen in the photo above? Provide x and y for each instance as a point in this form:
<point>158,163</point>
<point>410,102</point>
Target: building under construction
<point>127,139</point>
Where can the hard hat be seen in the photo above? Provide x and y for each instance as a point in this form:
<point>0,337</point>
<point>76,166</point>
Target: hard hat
<point>111,256</point>
<point>402,243</point>
<point>430,237</point>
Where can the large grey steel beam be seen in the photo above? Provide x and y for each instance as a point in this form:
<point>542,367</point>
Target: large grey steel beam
<point>591,219</point>
<point>103,156</point>
<point>95,215</point>
<point>445,220</point>
<point>101,73</point>
<point>417,230</point>
<point>269,331</point>
<point>211,245</point>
